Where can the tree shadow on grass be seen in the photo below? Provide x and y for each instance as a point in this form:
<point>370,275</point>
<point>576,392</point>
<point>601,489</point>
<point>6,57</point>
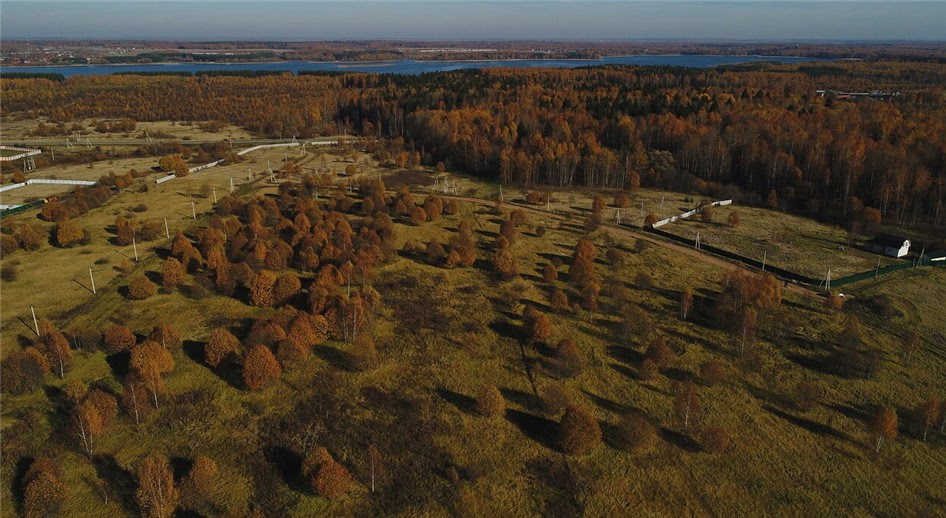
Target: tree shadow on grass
<point>684,442</point>
<point>287,463</point>
<point>607,404</point>
<point>539,429</point>
<point>180,466</point>
<point>119,363</point>
<point>508,330</point>
<point>122,481</point>
<point>464,403</point>
<point>814,427</point>
<point>624,354</point>
<point>336,358</point>
<point>818,363</point>
<point>523,399</point>
<point>625,370</point>
<point>18,487</point>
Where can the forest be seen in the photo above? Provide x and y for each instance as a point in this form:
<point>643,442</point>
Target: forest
<point>755,133</point>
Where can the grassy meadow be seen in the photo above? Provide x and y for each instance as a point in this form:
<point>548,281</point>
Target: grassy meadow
<point>444,333</point>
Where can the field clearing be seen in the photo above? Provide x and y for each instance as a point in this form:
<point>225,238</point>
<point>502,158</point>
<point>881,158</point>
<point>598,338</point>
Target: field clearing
<point>797,244</point>
<point>15,128</point>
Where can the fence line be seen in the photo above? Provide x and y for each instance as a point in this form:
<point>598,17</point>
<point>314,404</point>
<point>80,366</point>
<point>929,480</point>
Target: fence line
<point>689,213</point>
<point>242,152</point>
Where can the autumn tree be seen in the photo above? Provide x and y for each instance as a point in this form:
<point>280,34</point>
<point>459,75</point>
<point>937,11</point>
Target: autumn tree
<point>105,403</point>
<point>650,219</point>
<point>134,398</point>
<point>23,371</point>
<point>686,404</point>
<point>490,402</point>
<point>118,338</point>
<point>172,273</point>
<point>884,425</point>
<point>540,327</point>
<point>199,488</point>
<point>167,335</point>
<point>659,352</point>
<point>647,370</point>
<point>550,273</point>
<point>68,233</point>
<point>173,164</point>
<point>325,475</point>
<point>261,291</point>
<point>505,265</point>
<point>87,425</point>
<point>220,345</point>
<point>579,432</point>
<point>286,287</point>
<point>746,329</point>
<point>712,372</point>
<point>686,302</point>
<point>559,301</point>
<point>56,347</point>
<point>733,219</point>
<point>260,367</point>
<point>156,494</point>
<point>635,433</point>
<point>141,287</point>
<point>150,361</point>
<point>43,489</point>
<point>568,357</point>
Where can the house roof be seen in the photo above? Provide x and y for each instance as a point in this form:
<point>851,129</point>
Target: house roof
<point>889,240</point>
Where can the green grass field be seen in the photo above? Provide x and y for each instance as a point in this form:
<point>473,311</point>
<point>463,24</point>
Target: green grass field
<point>444,333</point>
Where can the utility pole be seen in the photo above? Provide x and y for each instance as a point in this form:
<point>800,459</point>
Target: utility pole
<point>215,194</point>
<point>231,184</point>
<point>92,279</point>
<point>193,210</point>
<point>134,245</point>
<point>697,243</point>
<point>33,311</point>
<point>877,270</point>
<point>167,232</point>
<point>764,253</point>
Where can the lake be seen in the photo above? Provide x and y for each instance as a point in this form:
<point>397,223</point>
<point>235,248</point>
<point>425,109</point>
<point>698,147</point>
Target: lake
<point>413,67</point>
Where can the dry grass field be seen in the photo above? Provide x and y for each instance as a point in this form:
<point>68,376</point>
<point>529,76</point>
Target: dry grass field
<point>797,244</point>
<point>444,333</point>
<point>14,129</point>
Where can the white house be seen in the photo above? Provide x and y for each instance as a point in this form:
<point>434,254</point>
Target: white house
<point>887,244</point>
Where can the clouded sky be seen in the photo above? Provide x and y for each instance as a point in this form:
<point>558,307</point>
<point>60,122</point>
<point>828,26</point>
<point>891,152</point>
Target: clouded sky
<point>463,19</point>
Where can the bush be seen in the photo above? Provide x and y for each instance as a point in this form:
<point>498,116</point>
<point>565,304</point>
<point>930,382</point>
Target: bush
<point>713,372</point>
<point>579,431</point>
<point>636,434</point>
<point>220,345</point>
<point>555,399</point>
<point>260,368</point>
<point>141,207</point>
<point>643,281</point>
<point>23,371</point>
<point>568,357</point>
<point>8,273</point>
<point>141,288</point>
<point>68,233</point>
<point>118,338</point>
<point>8,244</point>
<point>328,478</point>
<point>490,402</point>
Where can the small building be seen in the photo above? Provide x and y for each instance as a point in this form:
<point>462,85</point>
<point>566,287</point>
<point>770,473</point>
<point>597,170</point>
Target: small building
<point>888,244</point>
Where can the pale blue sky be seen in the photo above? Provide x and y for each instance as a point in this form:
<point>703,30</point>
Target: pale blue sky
<point>464,19</point>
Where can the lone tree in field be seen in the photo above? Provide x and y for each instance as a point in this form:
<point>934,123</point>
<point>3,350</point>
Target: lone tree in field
<point>568,357</point>
<point>733,219</point>
<point>686,404</point>
<point>559,301</point>
<point>172,273</point>
<point>651,219</point>
<point>540,328</point>
<point>43,489</point>
<point>505,264</point>
<point>150,361</point>
<point>550,273</point>
<point>141,288</point>
<point>325,475</point>
<point>686,302</point>
<point>156,494</point>
<point>198,488</point>
<point>173,164</point>
<point>260,368</point>
<point>659,352</point>
<point>56,347</point>
<point>220,345</point>
<point>883,426</point>
<point>68,233</point>
<point>490,402</point>
<point>579,432</point>
<point>167,335</point>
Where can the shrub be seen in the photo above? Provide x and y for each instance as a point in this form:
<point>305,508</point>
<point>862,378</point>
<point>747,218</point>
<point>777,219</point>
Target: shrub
<point>712,372</point>
<point>490,402</point>
<point>260,368</point>
<point>68,233</point>
<point>660,353</point>
<point>8,273</point>
<point>550,273</point>
<point>290,353</point>
<point>327,477</point>
<point>220,345</point>
<point>141,207</point>
<point>172,273</point>
<point>555,399</point>
<point>636,433</point>
<point>8,244</point>
<point>643,281</point>
<point>118,338</point>
<point>579,431</point>
<point>647,370</point>
<point>568,357</point>
<point>23,371</point>
<point>141,288</point>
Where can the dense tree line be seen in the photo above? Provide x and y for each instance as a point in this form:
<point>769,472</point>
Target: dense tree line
<point>764,131</point>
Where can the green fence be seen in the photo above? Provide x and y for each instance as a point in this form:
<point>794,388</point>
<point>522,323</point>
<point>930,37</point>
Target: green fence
<point>21,208</point>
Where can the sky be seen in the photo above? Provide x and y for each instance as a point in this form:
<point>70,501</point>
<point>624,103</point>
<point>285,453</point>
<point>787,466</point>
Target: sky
<point>734,20</point>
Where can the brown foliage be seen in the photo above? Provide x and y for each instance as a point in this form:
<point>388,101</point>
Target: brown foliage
<point>198,490</point>
<point>579,431</point>
<point>106,405</point>
<point>686,302</point>
<point>635,433</point>
<point>650,219</point>
<point>550,273</point>
<point>220,345</point>
<point>648,370</point>
<point>686,404</point>
<point>68,233</point>
<point>325,475</point>
<point>261,291</point>
<point>118,338</point>
<point>659,352</point>
<point>733,219</point>
<point>43,489</point>
<point>260,368</point>
<point>291,353</point>
<point>141,288</point>
<point>286,287</point>
<point>156,494</point>
<point>23,371</point>
<point>713,372</point>
<point>559,301</point>
<point>149,361</point>
<point>172,273</point>
<point>490,402</point>
<point>505,265</point>
<point>568,357</point>
<point>884,425</point>
<point>167,335</point>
